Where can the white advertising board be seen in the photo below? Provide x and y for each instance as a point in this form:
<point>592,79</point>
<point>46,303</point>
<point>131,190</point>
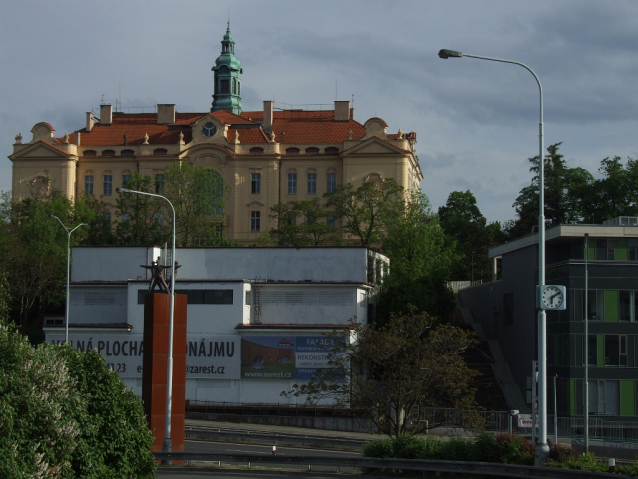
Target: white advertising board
<point>208,356</point>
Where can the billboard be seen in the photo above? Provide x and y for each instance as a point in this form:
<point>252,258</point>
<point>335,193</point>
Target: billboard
<point>213,356</point>
<point>284,357</point>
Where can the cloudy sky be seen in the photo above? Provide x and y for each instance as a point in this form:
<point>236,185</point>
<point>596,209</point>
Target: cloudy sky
<point>476,121</point>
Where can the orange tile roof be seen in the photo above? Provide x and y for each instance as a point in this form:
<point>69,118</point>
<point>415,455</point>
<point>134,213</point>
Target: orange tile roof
<point>289,126</point>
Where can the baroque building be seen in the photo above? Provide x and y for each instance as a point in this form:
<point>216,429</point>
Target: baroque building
<point>267,156</point>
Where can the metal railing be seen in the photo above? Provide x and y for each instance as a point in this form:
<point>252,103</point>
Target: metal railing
<point>368,464</point>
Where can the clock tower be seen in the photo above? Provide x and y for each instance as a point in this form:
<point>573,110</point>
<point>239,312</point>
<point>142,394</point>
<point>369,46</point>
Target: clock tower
<point>227,88</point>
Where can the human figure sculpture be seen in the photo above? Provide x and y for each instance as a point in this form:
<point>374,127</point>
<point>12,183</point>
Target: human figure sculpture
<point>158,278</point>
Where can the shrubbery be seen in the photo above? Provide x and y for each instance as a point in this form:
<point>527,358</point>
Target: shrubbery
<point>65,414</point>
<point>485,447</point>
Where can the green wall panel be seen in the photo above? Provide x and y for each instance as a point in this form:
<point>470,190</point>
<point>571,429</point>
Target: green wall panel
<point>611,306</point>
<point>627,398</point>
<point>591,249</point>
<point>621,248</point>
<point>571,401</point>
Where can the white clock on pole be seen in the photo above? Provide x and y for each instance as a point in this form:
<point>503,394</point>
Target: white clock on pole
<point>552,297</point>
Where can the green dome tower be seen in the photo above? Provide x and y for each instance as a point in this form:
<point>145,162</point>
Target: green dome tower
<point>228,72</point>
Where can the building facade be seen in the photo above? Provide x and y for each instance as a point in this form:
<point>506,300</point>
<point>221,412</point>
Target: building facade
<point>267,156</point>
<point>505,313</point>
<point>255,316</point>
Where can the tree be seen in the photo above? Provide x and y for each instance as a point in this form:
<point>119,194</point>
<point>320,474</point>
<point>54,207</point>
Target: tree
<point>394,373</point>
<point>565,200</point>
<point>64,414</point>
<point>199,196</point>
<point>302,223</point>
<point>616,193</point>
<point>420,262</point>
<point>141,216</point>
<point>469,235</point>
<point>365,211</point>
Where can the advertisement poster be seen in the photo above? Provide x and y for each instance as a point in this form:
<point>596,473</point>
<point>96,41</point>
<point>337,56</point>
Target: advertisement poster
<point>208,356</point>
<point>284,357</point>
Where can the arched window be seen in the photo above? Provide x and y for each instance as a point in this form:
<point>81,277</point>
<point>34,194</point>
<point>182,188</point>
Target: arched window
<point>256,150</point>
<point>90,153</point>
<point>127,153</point>
<point>108,153</point>
<point>160,151</point>
<point>312,151</point>
<point>234,86</point>
<point>292,151</point>
<point>331,150</point>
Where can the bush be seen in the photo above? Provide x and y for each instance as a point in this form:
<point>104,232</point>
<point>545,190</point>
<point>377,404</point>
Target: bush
<point>65,414</point>
<point>627,469</point>
<point>561,452</point>
<point>381,448</point>
<point>585,462</point>
<point>407,446</point>
<point>513,449</point>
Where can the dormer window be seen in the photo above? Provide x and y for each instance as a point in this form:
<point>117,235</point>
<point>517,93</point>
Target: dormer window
<point>160,151</point>
<point>127,153</point>
<point>292,151</point>
<point>108,153</point>
<point>331,150</point>
<point>90,153</point>
<point>312,151</point>
<point>257,150</point>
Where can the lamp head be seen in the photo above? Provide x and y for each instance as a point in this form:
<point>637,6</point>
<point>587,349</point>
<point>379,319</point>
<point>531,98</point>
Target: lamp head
<point>445,54</point>
<point>122,190</point>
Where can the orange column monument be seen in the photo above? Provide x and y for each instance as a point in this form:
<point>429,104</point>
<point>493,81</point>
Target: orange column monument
<point>154,377</point>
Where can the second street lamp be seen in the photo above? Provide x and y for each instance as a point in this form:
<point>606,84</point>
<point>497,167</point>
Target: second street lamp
<point>167,445</point>
<point>68,271</point>
<point>542,448</point>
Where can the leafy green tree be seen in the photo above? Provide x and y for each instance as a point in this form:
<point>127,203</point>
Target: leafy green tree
<point>95,213</point>
<point>420,261</point>
<point>566,191</point>
<point>392,374</point>
<point>616,193</point>
<point>302,223</point>
<point>199,196</point>
<point>469,235</point>
<point>141,215</point>
<point>64,414</point>
<point>365,211</point>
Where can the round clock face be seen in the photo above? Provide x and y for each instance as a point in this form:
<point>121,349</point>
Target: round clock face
<point>551,297</point>
<point>209,129</point>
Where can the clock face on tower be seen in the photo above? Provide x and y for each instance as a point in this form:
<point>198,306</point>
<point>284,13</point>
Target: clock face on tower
<point>209,129</point>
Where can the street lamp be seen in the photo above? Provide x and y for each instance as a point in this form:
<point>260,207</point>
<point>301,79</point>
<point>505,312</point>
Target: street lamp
<point>542,448</point>
<point>586,347</point>
<point>167,445</point>
<point>68,272</point>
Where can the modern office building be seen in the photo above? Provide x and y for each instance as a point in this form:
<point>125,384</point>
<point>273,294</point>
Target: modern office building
<point>504,312</point>
<point>267,156</point>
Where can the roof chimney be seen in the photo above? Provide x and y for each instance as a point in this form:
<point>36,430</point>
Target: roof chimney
<point>166,114</point>
<point>90,121</point>
<point>268,116</point>
<point>342,110</point>
<point>106,114</point>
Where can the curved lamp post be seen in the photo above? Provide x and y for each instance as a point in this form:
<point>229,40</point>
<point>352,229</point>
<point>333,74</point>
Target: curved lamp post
<point>542,448</point>
<point>68,271</point>
<point>167,445</point>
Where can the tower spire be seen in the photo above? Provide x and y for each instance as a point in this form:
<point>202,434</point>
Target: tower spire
<point>227,77</point>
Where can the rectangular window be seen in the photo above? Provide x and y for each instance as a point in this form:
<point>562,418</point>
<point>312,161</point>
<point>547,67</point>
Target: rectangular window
<point>292,183</point>
<point>125,180</point>
<point>615,350</point>
<point>159,183</point>
<point>108,185</point>
<point>197,296</point>
<point>595,305</point>
<point>224,86</point>
<point>255,183</point>
<point>88,184</point>
<point>592,350</point>
<point>331,183</point>
<point>312,183</point>
<point>625,303</point>
<point>107,218</point>
<point>330,222</point>
<point>255,221</point>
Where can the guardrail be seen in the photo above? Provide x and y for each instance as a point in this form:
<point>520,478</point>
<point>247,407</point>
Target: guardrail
<point>460,467</point>
<point>277,439</point>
